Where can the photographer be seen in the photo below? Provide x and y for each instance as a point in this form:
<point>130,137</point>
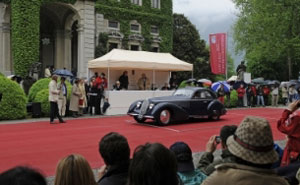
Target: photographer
<point>289,124</point>
<point>207,163</point>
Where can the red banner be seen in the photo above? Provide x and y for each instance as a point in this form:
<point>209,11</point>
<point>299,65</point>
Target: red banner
<point>218,58</point>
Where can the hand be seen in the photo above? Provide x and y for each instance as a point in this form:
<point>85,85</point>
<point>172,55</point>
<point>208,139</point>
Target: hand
<point>294,106</point>
<point>211,145</point>
<point>102,171</point>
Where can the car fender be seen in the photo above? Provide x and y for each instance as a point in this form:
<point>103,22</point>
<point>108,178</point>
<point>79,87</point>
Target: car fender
<point>215,105</point>
<point>133,105</point>
<point>178,113</point>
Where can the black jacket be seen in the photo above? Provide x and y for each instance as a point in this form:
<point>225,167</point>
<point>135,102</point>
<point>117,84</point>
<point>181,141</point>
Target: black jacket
<point>116,175</point>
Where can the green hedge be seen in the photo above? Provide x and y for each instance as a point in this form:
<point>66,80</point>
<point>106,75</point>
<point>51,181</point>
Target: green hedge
<point>13,103</point>
<point>233,99</point>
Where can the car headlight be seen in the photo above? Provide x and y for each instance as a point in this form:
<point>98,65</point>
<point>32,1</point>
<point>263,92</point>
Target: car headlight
<point>138,104</point>
<point>151,105</point>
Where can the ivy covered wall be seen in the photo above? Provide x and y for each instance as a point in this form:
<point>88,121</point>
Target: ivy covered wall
<point>124,11</point>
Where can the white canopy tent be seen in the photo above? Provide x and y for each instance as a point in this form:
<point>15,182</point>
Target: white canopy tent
<point>119,59</point>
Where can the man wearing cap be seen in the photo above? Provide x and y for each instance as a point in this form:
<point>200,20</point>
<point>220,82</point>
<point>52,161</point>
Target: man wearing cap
<point>186,170</point>
<point>53,99</point>
<point>207,163</point>
<point>289,124</point>
<point>252,146</point>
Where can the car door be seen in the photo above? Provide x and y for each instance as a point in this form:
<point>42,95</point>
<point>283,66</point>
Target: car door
<point>198,103</point>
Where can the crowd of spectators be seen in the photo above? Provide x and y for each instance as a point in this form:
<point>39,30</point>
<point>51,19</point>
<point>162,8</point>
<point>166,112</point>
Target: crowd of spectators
<point>248,156</point>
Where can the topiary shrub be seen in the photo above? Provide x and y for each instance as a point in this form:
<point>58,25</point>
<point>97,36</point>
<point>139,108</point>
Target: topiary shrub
<point>233,99</point>
<point>38,86</point>
<point>44,84</point>
<point>13,102</point>
<point>1,74</point>
<point>43,97</point>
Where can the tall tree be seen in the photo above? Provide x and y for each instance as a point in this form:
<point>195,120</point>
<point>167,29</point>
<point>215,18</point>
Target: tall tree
<point>189,47</point>
<point>269,32</point>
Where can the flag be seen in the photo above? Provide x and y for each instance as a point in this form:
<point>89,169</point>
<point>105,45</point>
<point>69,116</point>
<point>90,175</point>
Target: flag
<point>218,59</point>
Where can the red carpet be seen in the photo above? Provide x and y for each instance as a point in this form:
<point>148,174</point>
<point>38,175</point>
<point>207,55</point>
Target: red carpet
<point>41,145</point>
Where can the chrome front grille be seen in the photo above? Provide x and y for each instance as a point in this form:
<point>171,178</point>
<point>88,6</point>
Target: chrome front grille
<point>144,107</point>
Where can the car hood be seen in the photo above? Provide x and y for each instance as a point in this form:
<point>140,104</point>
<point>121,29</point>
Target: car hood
<point>168,99</point>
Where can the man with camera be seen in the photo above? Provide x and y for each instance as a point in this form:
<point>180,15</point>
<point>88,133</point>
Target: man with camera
<point>289,124</point>
<point>207,163</point>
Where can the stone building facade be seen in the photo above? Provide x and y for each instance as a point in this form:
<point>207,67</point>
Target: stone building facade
<point>69,33</point>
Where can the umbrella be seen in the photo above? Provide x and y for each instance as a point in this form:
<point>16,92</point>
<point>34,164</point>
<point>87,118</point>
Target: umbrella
<point>258,81</point>
<point>237,84</point>
<point>215,86</point>
<point>232,78</point>
<point>284,84</point>
<point>274,82</point>
<point>205,82</point>
<point>63,72</point>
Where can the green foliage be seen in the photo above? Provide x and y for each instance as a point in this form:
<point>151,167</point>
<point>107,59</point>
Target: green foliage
<point>101,48</point>
<point>43,97</point>
<point>233,99</point>
<point>1,75</point>
<point>38,86</point>
<point>268,31</point>
<point>189,47</point>
<point>44,84</point>
<point>13,103</point>
<point>124,12</point>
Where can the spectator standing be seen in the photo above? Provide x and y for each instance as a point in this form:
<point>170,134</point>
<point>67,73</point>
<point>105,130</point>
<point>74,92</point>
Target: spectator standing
<point>153,164</point>
<point>292,92</point>
<point>47,72</point>
<point>266,93</point>
<point>74,170</point>
<point>284,94</point>
<point>92,93</point>
<point>289,124</point>
<point>75,97</point>
<point>275,95</point>
<point>207,164</point>
<point>144,82</point>
<point>115,151</point>
<point>117,86</point>
<point>82,99</point>
<point>186,170</point>
<point>252,146</point>
<point>260,97</point>
<point>53,99</point>
<point>221,93</point>
<point>100,90</point>
<point>124,80</point>
<point>173,81</point>
<point>253,95</point>
<point>241,92</point>
<point>165,87</point>
<point>62,99</point>
<point>22,176</point>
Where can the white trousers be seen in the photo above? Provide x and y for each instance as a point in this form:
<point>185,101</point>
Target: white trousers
<point>62,102</point>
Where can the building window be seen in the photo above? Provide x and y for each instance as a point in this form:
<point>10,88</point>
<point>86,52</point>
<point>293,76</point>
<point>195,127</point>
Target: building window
<point>134,47</point>
<point>155,49</point>
<point>154,30</point>
<point>137,2</point>
<point>135,27</point>
<point>112,45</point>
<point>113,24</point>
<point>155,3</point>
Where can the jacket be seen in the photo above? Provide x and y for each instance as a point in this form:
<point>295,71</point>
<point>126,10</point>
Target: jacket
<point>143,86</point>
<point>61,92</point>
<point>53,91</point>
<point>289,124</point>
<point>237,174</point>
<point>241,92</point>
<point>207,164</point>
<point>74,101</point>
<point>115,175</point>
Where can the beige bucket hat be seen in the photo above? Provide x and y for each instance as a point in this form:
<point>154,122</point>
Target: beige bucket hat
<point>253,141</point>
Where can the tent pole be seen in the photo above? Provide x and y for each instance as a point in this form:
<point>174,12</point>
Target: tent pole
<point>108,76</point>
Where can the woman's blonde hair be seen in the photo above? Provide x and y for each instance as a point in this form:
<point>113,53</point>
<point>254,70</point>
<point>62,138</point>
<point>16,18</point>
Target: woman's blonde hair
<point>74,170</point>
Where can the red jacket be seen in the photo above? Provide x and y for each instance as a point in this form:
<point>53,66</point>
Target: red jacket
<point>241,92</point>
<point>266,91</point>
<point>289,124</point>
<point>253,89</point>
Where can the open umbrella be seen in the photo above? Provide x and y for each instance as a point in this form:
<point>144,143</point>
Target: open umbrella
<point>258,81</point>
<point>232,78</point>
<point>215,86</point>
<point>63,72</point>
<point>205,82</point>
<point>237,84</point>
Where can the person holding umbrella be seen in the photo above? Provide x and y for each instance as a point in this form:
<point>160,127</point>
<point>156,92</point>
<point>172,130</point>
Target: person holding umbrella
<point>221,93</point>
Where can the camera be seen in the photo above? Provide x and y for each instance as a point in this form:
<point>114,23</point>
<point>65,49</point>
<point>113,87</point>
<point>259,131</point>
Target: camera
<point>218,139</point>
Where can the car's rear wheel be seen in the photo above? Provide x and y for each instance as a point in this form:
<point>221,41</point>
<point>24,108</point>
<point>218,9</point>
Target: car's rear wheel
<point>216,115</point>
<point>139,120</point>
<point>164,117</point>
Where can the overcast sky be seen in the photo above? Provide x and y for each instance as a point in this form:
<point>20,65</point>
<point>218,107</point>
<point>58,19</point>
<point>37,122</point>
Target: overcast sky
<point>209,16</point>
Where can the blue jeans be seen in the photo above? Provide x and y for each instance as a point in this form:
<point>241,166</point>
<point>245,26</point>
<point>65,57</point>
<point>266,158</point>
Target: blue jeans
<point>260,98</point>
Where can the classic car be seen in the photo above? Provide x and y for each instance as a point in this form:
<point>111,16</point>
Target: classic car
<point>185,103</point>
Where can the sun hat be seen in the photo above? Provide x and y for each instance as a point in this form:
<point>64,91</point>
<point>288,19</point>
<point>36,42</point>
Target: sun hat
<point>184,156</point>
<point>253,141</point>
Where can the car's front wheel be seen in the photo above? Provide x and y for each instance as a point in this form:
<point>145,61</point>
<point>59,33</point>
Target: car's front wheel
<point>164,117</point>
<point>139,120</point>
<point>216,115</point>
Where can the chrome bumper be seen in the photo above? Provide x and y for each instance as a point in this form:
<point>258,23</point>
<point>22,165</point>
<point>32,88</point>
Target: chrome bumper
<point>144,116</point>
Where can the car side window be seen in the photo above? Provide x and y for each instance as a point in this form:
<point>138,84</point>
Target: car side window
<point>197,95</point>
<point>208,95</point>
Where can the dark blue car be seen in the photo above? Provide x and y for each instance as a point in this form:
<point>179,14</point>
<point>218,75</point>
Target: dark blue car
<point>186,103</point>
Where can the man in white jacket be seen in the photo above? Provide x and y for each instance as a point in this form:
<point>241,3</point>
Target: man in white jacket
<point>53,98</point>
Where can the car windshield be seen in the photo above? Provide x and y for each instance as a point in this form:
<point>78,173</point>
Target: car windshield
<point>183,92</point>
